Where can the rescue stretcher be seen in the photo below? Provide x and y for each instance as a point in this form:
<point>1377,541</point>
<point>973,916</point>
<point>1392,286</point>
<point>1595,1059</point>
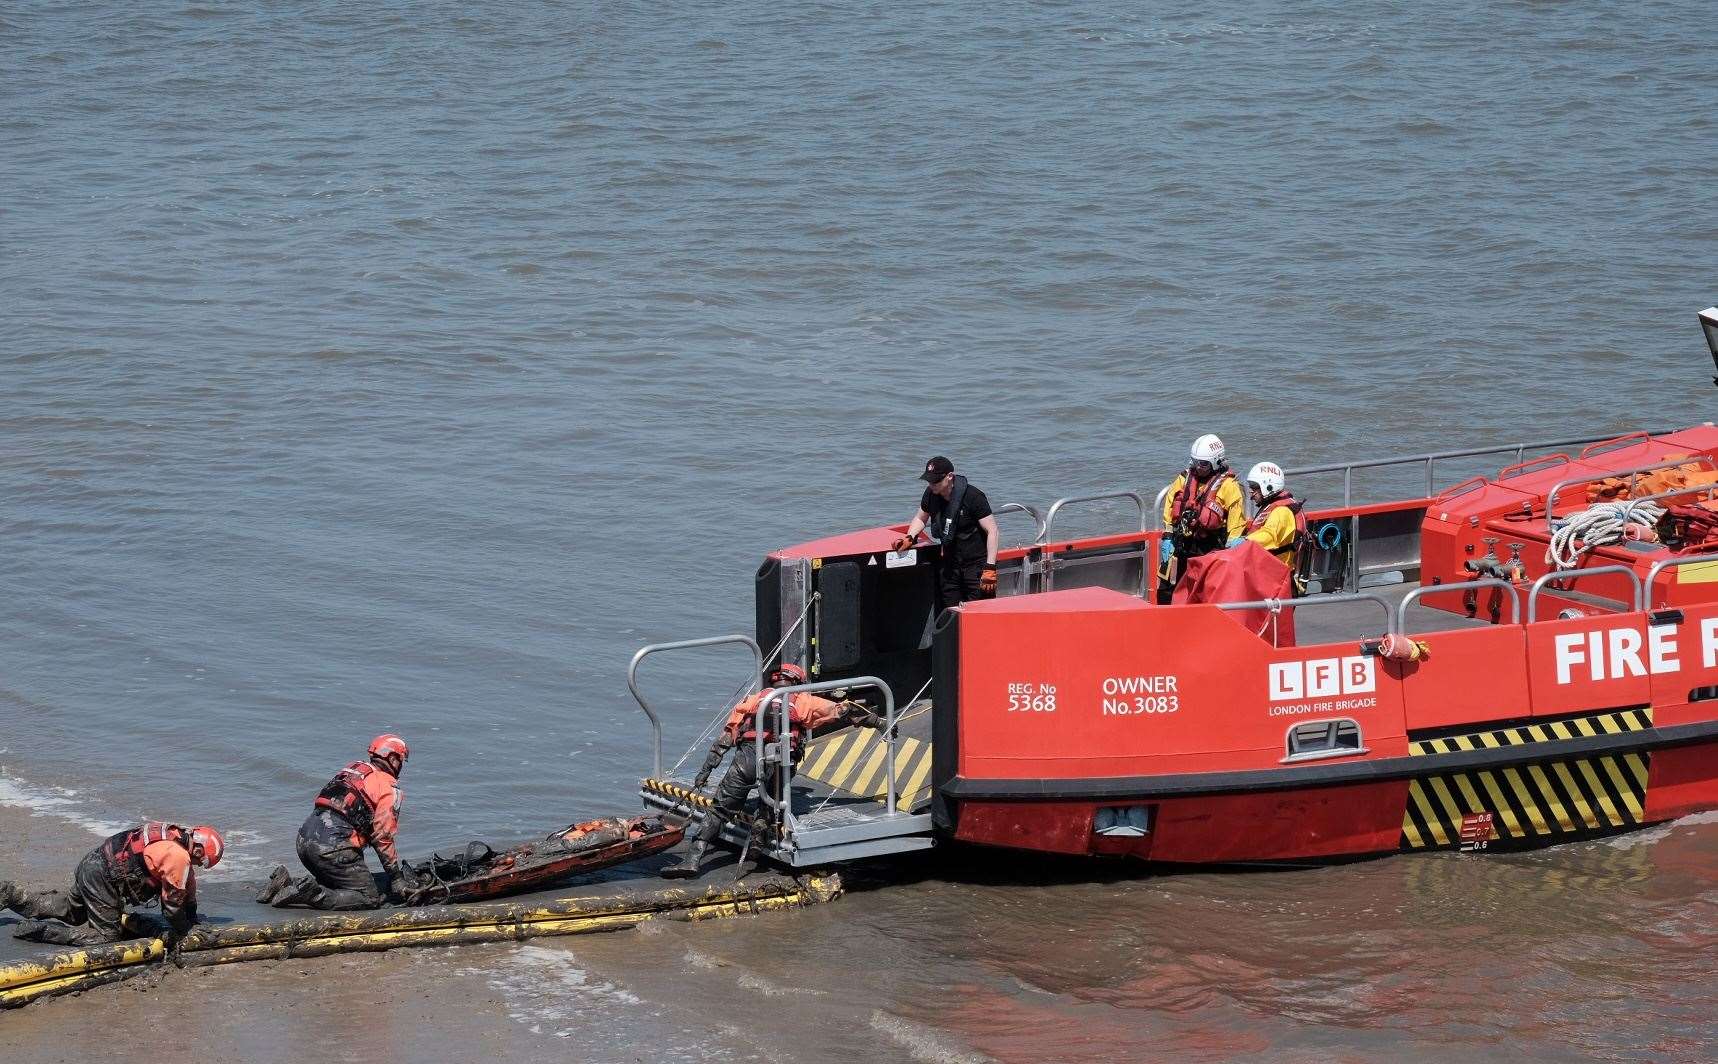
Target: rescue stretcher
<point>482,873</point>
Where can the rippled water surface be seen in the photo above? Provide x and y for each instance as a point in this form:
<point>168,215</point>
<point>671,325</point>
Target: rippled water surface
<point>408,366</point>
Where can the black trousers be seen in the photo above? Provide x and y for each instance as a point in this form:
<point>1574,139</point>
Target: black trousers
<point>94,903</point>
<point>957,582</point>
<point>737,785</point>
<point>326,851</point>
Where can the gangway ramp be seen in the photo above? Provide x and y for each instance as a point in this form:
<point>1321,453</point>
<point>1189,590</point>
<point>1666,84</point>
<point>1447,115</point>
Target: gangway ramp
<point>839,795</point>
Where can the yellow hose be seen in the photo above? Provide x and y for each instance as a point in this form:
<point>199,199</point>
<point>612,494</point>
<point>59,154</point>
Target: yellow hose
<point>326,933</point>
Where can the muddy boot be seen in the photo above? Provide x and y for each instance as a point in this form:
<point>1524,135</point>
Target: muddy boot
<point>10,894</point>
<point>30,930</point>
<point>305,891</point>
<point>56,933</point>
<point>279,882</point>
<point>692,864</point>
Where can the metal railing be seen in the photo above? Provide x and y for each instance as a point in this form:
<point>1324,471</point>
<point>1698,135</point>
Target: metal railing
<point>1276,606</point>
<point>1029,511</point>
<point>1686,489</point>
<point>1157,507</point>
<point>1576,574</point>
<point>1057,507</point>
<point>1431,459</point>
<point>1485,581</point>
<point>780,699</point>
<point>1632,474</point>
<point>682,644</point>
<point>1670,563</point>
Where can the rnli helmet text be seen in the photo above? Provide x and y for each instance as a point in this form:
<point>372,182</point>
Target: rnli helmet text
<point>1321,678</point>
<point>1613,653</point>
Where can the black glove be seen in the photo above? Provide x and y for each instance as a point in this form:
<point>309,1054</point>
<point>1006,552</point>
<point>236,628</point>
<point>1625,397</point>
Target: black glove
<point>711,760</point>
<point>862,716</point>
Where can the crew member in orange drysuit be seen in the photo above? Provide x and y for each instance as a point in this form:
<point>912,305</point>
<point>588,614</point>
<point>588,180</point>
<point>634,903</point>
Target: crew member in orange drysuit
<point>359,807</point>
<point>148,864</point>
<point>806,714</point>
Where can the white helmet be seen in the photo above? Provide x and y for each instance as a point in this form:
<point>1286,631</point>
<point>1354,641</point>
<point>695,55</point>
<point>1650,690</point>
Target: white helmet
<point>1208,448</point>
<point>1267,477</point>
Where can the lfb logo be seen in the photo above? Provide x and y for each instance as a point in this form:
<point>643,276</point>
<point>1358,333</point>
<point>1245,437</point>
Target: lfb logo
<point>1321,678</point>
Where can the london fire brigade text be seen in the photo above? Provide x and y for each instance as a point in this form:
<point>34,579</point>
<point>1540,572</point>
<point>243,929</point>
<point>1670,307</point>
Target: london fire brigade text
<point>1322,678</point>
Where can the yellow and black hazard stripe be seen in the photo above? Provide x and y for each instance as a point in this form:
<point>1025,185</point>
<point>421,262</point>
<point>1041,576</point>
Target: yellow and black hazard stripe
<point>1537,801</point>
<point>674,792</point>
<point>856,761</point>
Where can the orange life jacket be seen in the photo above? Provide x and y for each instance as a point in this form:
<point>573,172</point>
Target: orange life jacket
<point>1197,513</point>
<point>1282,498</point>
<point>345,795</point>
<point>124,854</point>
<point>805,713</point>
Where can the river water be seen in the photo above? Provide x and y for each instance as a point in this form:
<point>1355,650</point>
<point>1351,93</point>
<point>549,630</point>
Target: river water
<point>407,366</point>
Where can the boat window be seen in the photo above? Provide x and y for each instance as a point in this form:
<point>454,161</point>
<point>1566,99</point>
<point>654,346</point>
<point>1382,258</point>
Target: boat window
<point>1703,694</point>
<point>1324,738</point>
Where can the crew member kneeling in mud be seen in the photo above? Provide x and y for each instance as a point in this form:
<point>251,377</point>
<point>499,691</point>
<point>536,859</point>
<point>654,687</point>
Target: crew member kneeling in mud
<point>147,865</point>
<point>359,807</point>
<point>806,714</point>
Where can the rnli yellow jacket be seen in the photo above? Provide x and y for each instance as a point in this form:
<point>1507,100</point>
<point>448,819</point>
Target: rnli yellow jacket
<point>1274,530</point>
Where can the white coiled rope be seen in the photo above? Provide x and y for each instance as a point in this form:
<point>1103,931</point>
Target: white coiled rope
<point>1598,525</point>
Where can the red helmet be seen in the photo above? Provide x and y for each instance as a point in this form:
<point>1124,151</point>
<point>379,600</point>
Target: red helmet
<point>391,748</point>
<point>206,846</point>
<point>786,675</point>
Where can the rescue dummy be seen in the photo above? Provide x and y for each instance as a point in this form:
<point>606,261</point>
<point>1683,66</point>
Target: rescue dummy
<point>148,865</point>
<point>807,713</point>
<point>359,807</point>
<point>1203,512</point>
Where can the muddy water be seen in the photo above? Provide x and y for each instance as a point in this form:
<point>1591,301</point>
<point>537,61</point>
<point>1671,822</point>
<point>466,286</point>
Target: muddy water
<point>408,367</point>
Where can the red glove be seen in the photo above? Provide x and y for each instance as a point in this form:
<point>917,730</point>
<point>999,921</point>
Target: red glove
<point>987,580</point>
<point>903,543</point>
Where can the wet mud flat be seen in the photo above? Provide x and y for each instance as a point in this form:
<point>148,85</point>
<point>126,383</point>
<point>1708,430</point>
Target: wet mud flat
<point>235,928</point>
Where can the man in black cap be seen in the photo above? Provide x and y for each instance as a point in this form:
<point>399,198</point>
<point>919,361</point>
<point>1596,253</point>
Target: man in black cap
<point>958,514</point>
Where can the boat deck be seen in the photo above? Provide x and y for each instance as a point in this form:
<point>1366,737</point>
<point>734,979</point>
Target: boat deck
<point>1346,621</point>
<point>840,790</point>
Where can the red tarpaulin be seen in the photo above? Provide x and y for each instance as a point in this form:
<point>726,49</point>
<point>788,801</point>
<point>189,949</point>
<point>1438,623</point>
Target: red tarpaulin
<point>1245,573</point>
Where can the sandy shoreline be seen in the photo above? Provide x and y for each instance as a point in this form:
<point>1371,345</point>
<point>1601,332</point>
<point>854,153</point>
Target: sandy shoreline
<point>39,849</point>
